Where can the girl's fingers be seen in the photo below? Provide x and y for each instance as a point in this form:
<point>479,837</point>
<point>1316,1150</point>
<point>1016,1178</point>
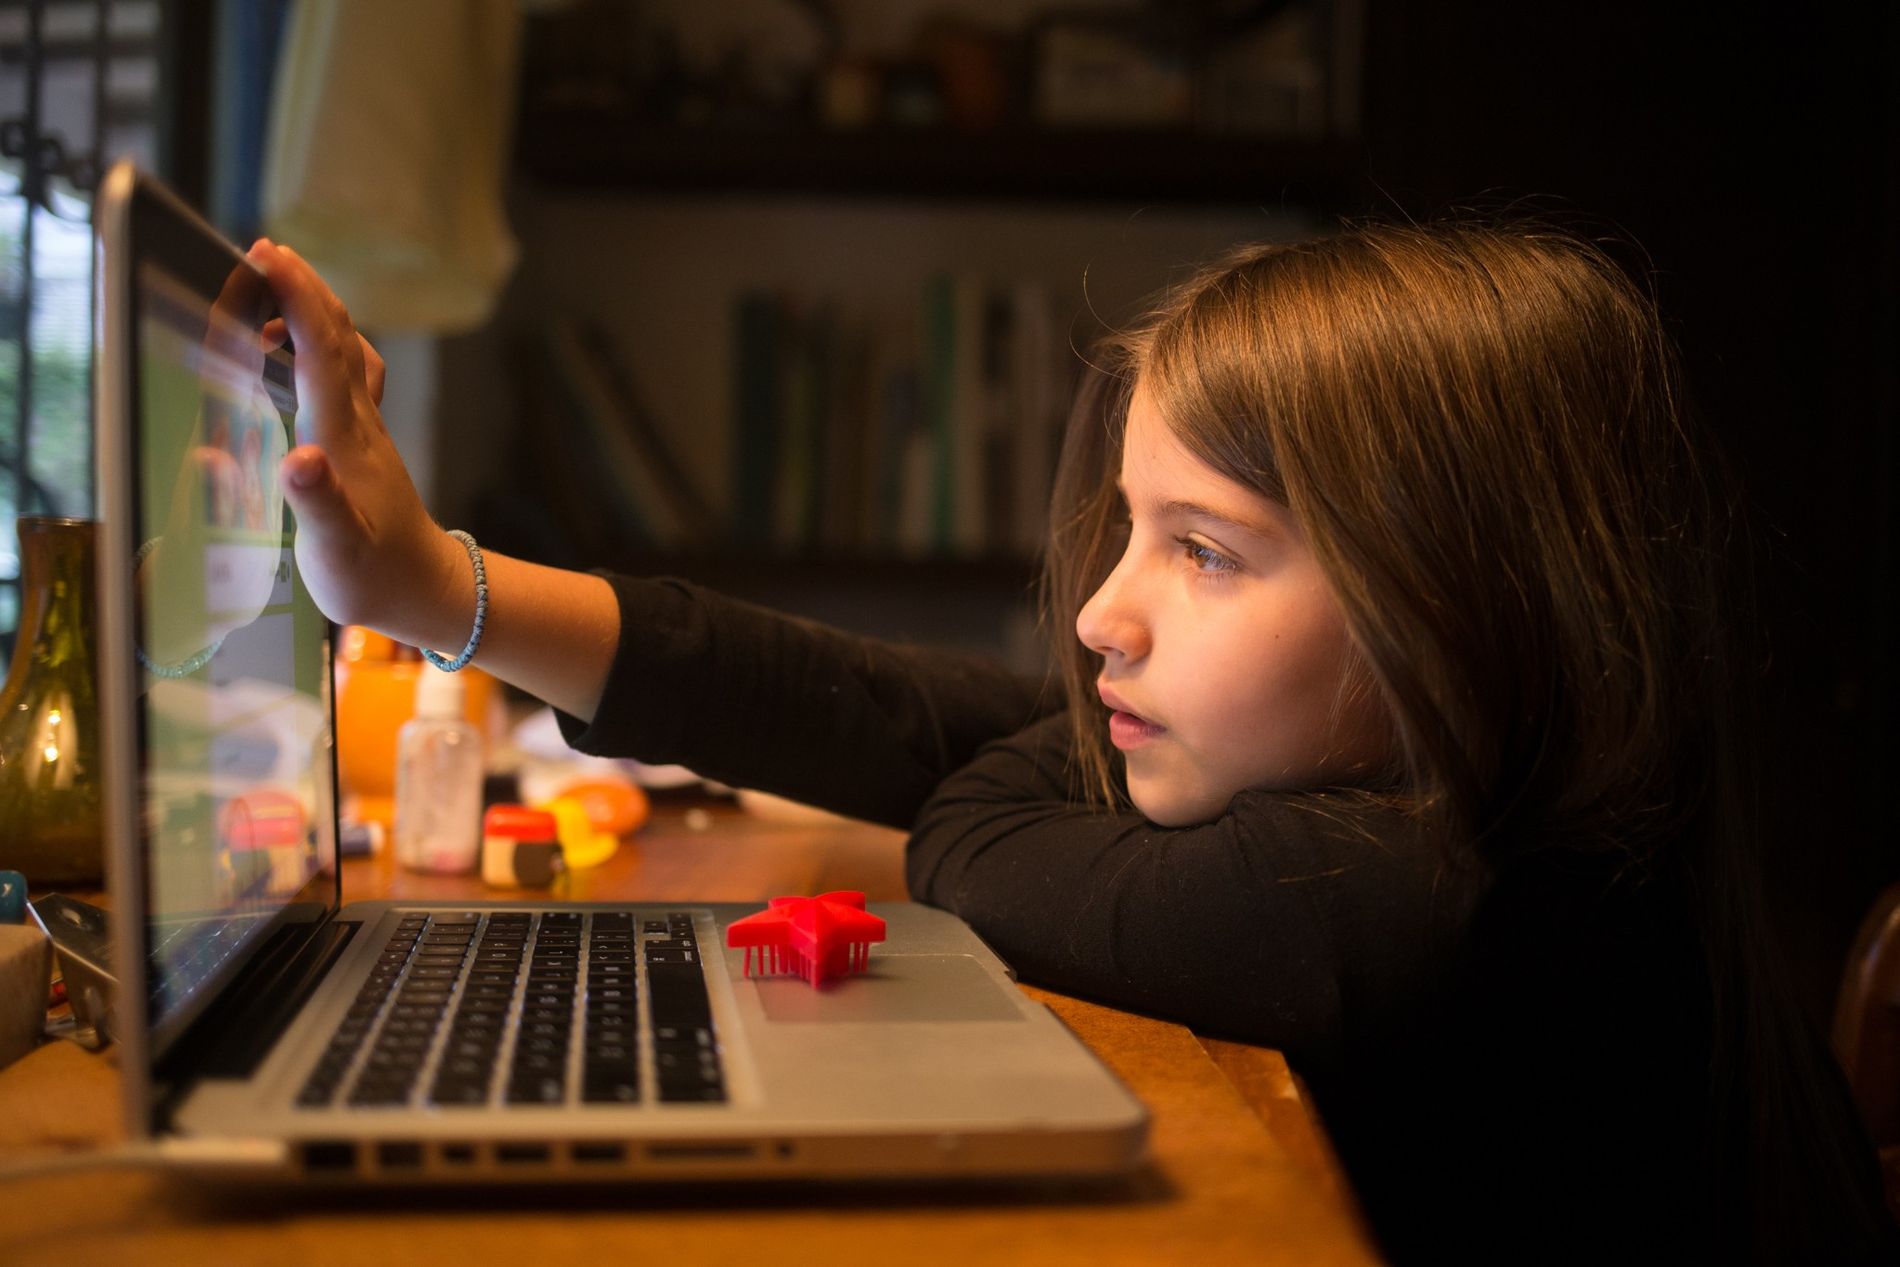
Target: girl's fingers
<point>323,365</point>
<point>312,488</point>
<point>272,336</point>
<point>375,373</point>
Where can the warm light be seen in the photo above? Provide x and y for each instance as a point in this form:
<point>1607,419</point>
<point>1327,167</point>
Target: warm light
<point>50,752</point>
<point>53,717</point>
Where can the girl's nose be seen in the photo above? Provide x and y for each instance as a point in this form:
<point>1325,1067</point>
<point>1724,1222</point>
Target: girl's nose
<point>1110,623</point>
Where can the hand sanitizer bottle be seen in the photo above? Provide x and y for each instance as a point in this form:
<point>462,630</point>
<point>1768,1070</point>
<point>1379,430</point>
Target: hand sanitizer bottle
<point>438,779</point>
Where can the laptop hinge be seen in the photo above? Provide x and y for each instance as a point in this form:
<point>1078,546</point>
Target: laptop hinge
<point>233,1036</point>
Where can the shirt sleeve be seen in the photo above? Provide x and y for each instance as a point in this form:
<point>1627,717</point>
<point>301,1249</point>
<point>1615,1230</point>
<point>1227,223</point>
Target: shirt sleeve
<point>758,699</point>
<point>1304,921</point>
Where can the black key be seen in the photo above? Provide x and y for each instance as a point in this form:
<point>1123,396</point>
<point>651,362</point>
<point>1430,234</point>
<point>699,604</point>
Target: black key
<point>452,1092</point>
<point>692,1060</point>
<point>485,993</point>
<point>618,1086</point>
<point>677,994</point>
<point>416,1011</point>
<point>406,1044</point>
<point>438,959</point>
<point>536,1091</point>
<point>692,1093</point>
<point>611,1029</point>
<point>483,1009</point>
<point>671,954</point>
<point>466,1067</point>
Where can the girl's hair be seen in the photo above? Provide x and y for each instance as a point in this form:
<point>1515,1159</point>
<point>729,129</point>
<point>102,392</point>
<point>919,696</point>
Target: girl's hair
<point>1482,429</point>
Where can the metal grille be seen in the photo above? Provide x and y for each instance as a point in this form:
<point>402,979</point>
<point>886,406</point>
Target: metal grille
<point>79,84</point>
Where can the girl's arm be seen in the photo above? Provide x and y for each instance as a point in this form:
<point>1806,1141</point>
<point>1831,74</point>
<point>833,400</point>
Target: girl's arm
<point>757,699</point>
<point>1290,920</point>
<point>369,551</point>
<point>737,693</point>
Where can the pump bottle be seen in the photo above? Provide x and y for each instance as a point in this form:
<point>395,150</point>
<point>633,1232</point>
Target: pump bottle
<point>438,780</point>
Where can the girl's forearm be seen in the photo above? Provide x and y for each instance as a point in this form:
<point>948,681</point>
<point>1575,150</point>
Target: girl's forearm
<point>550,632</point>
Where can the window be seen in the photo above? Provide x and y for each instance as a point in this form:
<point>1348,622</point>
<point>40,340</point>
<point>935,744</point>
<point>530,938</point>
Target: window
<point>79,86</point>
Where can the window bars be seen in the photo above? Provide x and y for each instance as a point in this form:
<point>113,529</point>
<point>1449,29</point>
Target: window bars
<point>78,82</point>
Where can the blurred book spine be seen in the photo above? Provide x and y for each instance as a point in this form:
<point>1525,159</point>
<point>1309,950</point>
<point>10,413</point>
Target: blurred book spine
<point>930,431</point>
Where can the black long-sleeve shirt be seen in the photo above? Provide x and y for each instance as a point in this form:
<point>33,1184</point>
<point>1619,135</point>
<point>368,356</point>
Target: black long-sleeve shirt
<point>1498,1058</point>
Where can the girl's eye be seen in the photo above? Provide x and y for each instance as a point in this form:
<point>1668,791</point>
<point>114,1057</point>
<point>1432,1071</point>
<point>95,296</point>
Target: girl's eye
<point>1204,558</point>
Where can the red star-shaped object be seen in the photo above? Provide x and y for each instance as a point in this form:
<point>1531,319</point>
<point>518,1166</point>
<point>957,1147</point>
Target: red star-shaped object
<point>815,938</point>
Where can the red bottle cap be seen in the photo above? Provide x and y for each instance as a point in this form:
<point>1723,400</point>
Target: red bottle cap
<point>518,822</point>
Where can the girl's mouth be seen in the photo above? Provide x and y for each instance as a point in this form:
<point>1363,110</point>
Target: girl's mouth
<point>1126,730</point>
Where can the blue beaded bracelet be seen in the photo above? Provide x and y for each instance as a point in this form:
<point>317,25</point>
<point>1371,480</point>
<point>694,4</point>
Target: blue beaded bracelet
<point>481,609</point>
<point>182,668</point>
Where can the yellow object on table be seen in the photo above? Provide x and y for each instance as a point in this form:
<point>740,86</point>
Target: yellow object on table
<point>581,844</point>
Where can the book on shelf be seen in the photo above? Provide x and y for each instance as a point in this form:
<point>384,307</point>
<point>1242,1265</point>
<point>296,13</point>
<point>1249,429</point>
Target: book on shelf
<point>930,431</point>
<point>641,482</point>
<point>758,335</point>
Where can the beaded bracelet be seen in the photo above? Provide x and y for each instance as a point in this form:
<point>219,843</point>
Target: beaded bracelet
<point>481,609</point>
<point>182,668</point>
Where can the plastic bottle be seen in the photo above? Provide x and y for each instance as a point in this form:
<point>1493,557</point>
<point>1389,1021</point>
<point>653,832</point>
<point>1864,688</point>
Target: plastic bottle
<point>438,780</point>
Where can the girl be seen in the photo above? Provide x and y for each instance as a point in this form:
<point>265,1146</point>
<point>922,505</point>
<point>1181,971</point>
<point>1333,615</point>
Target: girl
<point>1396,731</point>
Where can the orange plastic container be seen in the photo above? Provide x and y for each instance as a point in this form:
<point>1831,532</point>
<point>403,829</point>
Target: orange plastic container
<point>375,695</point>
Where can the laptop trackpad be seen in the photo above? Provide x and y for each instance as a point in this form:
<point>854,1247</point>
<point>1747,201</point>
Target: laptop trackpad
<point>897,988</point>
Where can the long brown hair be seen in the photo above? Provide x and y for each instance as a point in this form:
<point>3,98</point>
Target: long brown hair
<point>1482,428</point>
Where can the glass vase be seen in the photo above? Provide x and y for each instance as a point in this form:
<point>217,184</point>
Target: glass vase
<point>50,820</point>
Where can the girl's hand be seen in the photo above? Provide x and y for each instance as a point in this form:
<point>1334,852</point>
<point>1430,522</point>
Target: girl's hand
<point>367,548</point>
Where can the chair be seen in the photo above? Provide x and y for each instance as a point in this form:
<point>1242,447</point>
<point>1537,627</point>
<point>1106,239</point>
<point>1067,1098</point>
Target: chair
<point>1867,1032</point>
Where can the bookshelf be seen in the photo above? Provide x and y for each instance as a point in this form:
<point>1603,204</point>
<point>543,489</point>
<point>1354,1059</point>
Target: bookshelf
<point>661,231</point>
<point>581,149</point>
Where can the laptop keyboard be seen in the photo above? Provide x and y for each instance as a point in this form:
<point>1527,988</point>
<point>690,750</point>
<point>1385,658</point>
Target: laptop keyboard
<point>527,1008</point>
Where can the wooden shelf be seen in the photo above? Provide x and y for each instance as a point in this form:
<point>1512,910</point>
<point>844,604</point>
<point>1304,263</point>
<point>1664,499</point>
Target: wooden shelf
<point>589,150</point>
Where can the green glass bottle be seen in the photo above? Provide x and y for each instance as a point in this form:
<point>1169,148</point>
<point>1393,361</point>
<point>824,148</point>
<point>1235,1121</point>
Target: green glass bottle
<point>50,820</point>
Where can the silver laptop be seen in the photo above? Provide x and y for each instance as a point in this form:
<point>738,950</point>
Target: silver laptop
<point>267,1033</point>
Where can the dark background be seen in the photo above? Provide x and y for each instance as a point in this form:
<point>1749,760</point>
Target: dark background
<point>1752,153</point>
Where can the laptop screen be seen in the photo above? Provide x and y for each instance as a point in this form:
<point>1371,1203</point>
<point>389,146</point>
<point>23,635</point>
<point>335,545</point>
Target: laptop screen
<point>233,725</point>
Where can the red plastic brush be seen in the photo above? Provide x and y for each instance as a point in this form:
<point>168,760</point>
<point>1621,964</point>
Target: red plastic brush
<point>817,938</point>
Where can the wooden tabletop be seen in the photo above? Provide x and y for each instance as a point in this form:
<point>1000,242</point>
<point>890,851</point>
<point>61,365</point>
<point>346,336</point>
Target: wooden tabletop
<point>1238,1169</point>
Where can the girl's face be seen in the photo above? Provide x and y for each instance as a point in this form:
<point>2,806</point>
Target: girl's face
<point>1225,657</point>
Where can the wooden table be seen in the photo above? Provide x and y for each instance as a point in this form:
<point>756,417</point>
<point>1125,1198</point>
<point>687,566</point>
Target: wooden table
<point>1238,1170</point>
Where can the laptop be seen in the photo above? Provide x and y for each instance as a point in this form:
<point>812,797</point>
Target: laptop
<point>267,1031</point>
